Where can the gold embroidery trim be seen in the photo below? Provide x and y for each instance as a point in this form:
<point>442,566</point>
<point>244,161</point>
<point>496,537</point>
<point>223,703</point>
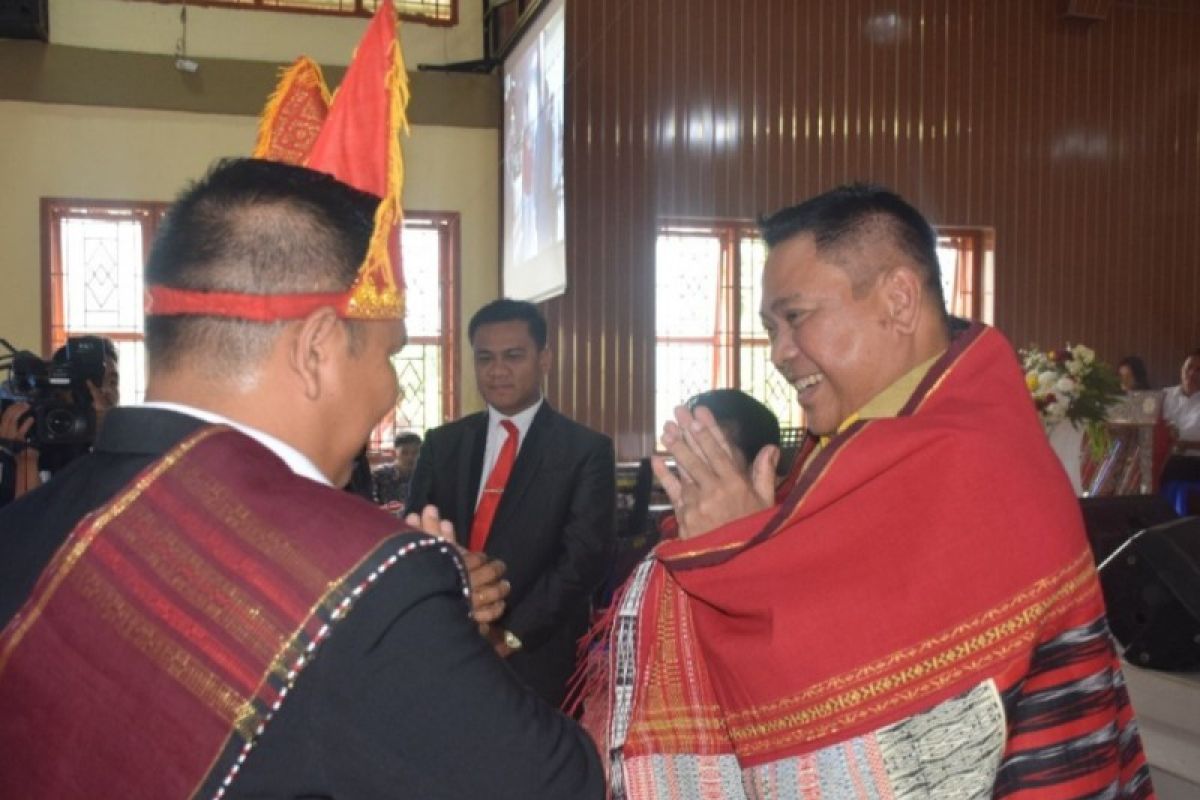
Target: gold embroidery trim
<point>74,550</point>
<point>1017,628</point>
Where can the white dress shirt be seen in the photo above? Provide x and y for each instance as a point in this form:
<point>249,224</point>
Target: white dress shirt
<point>496,436</point>
<point>1183,412</point>
<point>296,461</point>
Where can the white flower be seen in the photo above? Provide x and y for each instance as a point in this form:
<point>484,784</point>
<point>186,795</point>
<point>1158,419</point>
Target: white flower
<point>1066,385</point>
<point>1083,353</point>
<point>1057,410</point>
<point>1046,381</point>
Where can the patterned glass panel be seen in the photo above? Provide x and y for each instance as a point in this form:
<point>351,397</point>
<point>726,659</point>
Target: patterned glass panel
<point>948,255</point>
<point>419,365</point>
<point>687,297</point>
<point>131,363</point>
<point>763,382</point>
<point>102,263</point>
<point>687,285</point>
<point>423,302</point>
<point>419,371</point>
<point>433,10</point>
<point>752,254</point>
<point>682,370</point>
<point>759,378</point>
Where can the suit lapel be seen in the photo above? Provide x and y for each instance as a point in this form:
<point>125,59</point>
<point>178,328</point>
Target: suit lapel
<point>470,468</point>
<point>533,451</point>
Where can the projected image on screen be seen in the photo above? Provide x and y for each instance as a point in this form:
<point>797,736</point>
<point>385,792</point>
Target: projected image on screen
<point>534,209</point>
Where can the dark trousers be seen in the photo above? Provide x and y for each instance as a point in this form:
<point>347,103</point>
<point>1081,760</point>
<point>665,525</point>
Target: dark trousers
<point>1181,468</point>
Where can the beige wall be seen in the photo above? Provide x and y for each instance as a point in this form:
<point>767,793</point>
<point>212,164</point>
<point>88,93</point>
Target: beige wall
<point>76,151</point>
<point>255,35</point>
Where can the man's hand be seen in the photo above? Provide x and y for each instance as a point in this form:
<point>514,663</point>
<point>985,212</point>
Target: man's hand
<point>13,430</point>
<point>485,575</point>
<point>12,427</point>
<point>710,489</point>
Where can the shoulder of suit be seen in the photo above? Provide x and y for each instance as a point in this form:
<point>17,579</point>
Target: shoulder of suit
<point>459,424</point>
<point>418,574</point>
<point>579,429</point>
<point>427,565</point>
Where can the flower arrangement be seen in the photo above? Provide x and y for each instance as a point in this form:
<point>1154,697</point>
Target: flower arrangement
<point>1070,384</point>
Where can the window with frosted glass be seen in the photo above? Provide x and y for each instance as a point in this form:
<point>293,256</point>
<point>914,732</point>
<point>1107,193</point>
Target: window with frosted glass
<point>424,368</point>
<point>708,334</point>
<point>95,252</point>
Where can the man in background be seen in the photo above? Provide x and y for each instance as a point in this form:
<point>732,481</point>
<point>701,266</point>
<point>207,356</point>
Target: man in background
<point>270,634</point>
<point>1181,411</point>
<point>524,484</point>
<point>392,480</point>
<point>920,616</point>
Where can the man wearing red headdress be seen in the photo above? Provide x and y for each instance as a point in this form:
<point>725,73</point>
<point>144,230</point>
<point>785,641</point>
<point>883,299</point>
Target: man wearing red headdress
<point>920,616</point>
<point>219,614</point>
<point>194,609</point>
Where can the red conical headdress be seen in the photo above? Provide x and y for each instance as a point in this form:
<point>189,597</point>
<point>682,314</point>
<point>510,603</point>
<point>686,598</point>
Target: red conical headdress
<point>356,139</point>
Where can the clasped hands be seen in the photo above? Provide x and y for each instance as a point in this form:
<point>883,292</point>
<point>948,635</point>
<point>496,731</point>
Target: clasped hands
<point>484,574</point>
<point>712,487</point>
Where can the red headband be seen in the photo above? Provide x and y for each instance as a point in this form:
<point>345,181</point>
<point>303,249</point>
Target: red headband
<point>163,301</point>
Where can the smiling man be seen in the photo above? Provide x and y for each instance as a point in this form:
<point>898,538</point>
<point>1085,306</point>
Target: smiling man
<point>1181,411</point>
<point>920,616</point>
<point>524,484</point>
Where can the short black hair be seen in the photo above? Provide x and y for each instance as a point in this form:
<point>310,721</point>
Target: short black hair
<point>258,227</point>
<point>750,424</point>
<point>406,438</point>
<point>844,216</point>
<point>506,310</point>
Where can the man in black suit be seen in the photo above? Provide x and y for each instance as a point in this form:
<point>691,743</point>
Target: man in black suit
<point>553,524</point>
<point>403,697</point>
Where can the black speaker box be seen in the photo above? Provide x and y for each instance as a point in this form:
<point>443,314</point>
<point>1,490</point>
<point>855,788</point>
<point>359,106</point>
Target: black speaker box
<point>25,19</point>
<point>1152,589</point>
<point>1110,521</point>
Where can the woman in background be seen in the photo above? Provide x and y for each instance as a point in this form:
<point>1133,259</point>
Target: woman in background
<point>1131,371</point>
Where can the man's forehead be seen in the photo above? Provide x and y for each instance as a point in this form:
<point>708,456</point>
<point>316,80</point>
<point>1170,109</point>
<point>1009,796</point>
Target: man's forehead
<point>786,271</point>
<point>499,336</point>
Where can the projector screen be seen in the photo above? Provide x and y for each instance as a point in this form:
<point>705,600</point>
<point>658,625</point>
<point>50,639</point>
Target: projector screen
<point>534,230</point>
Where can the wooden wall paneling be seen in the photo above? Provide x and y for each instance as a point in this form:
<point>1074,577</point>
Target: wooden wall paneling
<point>1078,142</point>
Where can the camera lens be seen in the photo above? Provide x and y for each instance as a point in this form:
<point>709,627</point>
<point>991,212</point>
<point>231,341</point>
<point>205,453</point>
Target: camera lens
<point>64,422</point>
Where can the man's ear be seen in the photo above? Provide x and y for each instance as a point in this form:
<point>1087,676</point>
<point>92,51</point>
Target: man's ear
<point>544,360</point>
<point>312,346</point>
<point>903,294</point>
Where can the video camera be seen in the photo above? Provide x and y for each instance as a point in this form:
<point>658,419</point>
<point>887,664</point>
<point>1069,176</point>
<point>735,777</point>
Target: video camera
<point>56,390</point>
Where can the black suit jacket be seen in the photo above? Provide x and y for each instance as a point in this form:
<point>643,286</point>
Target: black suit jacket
<point>554,528</point>
<point>405,699</point>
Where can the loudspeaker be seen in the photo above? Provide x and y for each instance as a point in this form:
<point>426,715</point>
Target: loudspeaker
<point>25,19</point>
<point>1110,521</point>
<point>1152,588</point>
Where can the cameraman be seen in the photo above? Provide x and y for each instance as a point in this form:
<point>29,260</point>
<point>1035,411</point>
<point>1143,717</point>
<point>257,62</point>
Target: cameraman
<point>22,466</point>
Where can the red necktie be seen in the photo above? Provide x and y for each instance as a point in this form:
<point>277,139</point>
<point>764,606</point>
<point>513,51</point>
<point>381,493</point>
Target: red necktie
<point>485,512</point>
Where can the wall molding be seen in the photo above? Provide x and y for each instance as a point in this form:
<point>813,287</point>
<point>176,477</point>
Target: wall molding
<point>48,73</point>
